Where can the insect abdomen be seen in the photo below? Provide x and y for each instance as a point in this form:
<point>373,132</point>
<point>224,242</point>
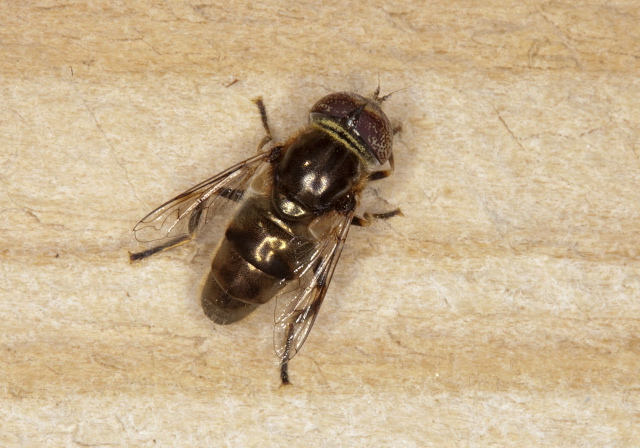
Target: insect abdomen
<point>254,260</point>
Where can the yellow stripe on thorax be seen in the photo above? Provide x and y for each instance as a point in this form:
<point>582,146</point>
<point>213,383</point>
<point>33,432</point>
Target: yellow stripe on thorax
<point>339,133</point>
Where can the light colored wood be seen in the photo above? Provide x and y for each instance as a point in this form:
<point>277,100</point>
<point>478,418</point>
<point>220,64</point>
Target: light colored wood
<point>503,309</point>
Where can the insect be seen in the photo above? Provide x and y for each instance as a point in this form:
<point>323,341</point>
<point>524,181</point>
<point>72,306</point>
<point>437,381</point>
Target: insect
<point>295,203</point>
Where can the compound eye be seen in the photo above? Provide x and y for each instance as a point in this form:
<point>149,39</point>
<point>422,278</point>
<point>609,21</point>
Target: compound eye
<point>374,129</point>
<point>372,125</point>
<point>338,105</point>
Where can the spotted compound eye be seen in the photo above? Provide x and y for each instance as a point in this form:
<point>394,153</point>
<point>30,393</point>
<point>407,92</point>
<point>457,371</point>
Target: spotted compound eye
<point>372,125</point>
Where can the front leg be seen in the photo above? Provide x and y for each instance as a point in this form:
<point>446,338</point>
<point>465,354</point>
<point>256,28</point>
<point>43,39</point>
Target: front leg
<point>370,217</point>
<point>381,174</point>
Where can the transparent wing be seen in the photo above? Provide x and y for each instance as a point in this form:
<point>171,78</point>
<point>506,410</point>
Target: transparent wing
<point>297,307</point>
<point>177,221</point>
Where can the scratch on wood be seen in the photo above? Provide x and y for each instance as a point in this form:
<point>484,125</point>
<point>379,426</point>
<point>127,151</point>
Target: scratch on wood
<point>507,127</point>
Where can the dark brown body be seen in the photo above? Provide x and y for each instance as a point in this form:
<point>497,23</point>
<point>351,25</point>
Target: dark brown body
<point>296,203</point>
<point>269,237</point>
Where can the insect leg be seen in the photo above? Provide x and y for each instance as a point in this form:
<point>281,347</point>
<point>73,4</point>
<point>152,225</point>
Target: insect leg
<point>381,174</point>
<point>265,122</point>
<point>154,250</point>
<point>194,220</point>
<point>284,367</point>
<point>369,217</point>
<point>302,317</point>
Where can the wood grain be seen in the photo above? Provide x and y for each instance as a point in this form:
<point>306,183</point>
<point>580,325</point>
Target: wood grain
<point>502,310</point>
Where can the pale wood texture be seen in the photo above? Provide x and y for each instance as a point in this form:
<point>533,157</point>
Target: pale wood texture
<point>503,309</point>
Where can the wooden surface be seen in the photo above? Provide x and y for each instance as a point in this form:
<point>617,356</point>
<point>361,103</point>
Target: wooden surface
<point>502,310</point>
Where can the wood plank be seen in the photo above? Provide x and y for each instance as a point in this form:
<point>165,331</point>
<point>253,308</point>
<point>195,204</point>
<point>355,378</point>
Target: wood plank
<point>501,310</point>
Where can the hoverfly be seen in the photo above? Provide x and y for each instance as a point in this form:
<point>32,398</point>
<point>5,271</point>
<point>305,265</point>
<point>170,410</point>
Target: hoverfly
<point>295,203</point>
